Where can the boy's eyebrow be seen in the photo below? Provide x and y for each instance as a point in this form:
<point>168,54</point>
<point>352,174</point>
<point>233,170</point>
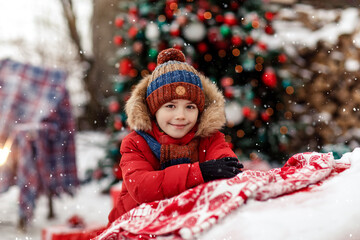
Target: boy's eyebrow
<point>175,101</point>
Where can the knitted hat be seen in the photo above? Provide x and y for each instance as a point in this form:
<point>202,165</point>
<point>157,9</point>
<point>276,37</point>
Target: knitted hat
<point>172,79</point>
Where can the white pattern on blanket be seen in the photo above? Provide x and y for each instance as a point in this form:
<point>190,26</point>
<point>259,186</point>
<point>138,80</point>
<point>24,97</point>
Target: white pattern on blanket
<point>187,215</point>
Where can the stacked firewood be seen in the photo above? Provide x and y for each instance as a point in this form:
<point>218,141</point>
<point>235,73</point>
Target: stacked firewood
<point>326,101</point>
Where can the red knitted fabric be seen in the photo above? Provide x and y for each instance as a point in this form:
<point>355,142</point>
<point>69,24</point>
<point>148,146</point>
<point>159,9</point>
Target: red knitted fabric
<point>170,54</point>
<point>173,79</point>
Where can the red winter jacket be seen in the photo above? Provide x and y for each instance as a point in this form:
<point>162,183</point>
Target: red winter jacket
<point>143,181</point>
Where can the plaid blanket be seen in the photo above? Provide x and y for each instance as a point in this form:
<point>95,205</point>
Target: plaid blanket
<point>190,213</point>
<point>36,115</point>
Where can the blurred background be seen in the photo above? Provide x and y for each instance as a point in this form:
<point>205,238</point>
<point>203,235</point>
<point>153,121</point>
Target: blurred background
<point>289,69</point>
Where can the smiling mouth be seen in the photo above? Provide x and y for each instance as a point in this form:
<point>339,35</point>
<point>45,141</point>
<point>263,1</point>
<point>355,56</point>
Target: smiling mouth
<point>178,125</point>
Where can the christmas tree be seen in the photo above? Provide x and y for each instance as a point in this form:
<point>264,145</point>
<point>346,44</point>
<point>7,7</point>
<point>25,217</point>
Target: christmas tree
<point>223,41</point>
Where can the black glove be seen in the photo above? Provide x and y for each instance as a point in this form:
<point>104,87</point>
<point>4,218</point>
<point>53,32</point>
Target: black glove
<point>227,167</point>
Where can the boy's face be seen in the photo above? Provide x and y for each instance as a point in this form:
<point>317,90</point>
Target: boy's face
<point>177,117</point>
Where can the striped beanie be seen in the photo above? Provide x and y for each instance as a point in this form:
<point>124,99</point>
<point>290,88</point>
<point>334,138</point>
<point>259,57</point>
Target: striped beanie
<point>172,79</point>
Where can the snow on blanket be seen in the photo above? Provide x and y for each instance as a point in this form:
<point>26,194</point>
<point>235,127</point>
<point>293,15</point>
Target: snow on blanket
<point>187,215</point>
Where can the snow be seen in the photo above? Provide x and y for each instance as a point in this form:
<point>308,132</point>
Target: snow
<point>330,212</point>
<point>290,34</point>
<point>352,65</point>
<point>88,203</point>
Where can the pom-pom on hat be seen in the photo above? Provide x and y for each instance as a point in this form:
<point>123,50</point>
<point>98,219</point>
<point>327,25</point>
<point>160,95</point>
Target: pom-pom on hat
<point>172,79</point>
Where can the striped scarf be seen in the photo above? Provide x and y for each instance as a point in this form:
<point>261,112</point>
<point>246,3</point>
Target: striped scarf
<point>172,151</point>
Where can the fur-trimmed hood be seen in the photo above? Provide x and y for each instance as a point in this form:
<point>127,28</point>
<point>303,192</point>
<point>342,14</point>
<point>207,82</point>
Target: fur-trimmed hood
<point>211,119</point>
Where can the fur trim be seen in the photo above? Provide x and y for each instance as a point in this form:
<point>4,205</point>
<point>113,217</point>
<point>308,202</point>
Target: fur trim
<point>211,119</point>
<point>136,108</point>
<point>213,116</point>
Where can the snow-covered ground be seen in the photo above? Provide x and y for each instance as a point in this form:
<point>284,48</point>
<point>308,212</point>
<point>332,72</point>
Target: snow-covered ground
<point>88,202</point>
<point>329,211</point>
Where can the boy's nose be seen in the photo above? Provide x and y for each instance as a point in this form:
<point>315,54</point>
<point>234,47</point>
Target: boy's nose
<point>180,113</point>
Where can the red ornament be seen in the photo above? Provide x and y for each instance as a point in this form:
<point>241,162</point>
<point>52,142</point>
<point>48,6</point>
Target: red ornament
<point>138,47</point>
<point>202,47</point>
<point>175,31</point>
<point>118,40</point>
<point>151,66</point>
<point>219,18</point>
<point>262,46</point>
<point>246,111</point>
<point>114,106</point>
<point>269,78</point>
<point>269,30</point>
<point>230,19</point>
<point>249,40</point>
<point>132,32</point>
<point>227,81</point>
<point>213,35</point>
<point>125,66</point>
<point>269,16</point>
<point>265,117</point>
<point>282,58</point>
<point>171,6</point>
<point>169,13</point>
<point>236,40</point>
<point>133,10</point>
<point>200,14</point>
<point>119,22</point>
<point>229,92</point>
<point>118,125</point>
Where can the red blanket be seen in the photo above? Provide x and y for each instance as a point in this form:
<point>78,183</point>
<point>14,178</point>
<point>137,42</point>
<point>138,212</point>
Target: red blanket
<point>187,215</point>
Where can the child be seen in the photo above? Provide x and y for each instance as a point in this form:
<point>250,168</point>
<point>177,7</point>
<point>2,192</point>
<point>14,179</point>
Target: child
<point>176,114</point>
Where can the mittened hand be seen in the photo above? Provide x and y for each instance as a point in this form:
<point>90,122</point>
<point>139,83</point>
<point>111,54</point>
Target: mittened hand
<point>227,167</point>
